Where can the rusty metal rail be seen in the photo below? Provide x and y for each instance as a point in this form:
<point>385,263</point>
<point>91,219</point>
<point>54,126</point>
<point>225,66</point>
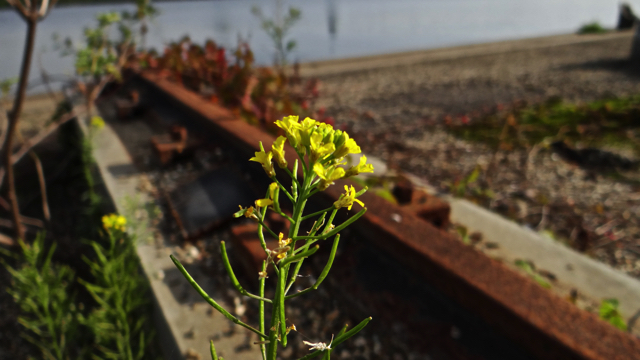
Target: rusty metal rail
<point>540,321</point>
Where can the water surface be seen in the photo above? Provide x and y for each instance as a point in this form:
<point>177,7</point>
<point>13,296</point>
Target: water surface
<point>328,29</point>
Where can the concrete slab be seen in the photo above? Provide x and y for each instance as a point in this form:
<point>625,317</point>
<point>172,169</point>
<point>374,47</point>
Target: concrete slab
<point>212,198</point>
<point>184,321</point>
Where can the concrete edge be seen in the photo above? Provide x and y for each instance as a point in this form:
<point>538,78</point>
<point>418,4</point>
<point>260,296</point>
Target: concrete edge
<point>180,325</point>
<point>590,277</point>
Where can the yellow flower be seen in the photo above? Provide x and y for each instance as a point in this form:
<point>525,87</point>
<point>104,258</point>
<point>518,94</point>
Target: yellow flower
<point>290,126</point>
<point>97,122</point>
<point>320,149</point>
<point>304,133</point>
<point>362,167</point>
<point>264,159</point>
<point>277,149</point>
<point>263,202</point>
<point>283,242</point>
<point>281,251</point>
<point>248,212</point>
<point>347,199</point>
<point>345,146</point>
<point>114,221</point>
<point>272,190</point>
<point>327,175</point>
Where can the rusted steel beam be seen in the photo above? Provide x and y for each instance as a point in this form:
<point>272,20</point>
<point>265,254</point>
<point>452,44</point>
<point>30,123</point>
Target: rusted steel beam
<point>540,321</point>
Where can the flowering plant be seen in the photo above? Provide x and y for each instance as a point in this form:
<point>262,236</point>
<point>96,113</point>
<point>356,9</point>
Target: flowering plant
<point>321,151</point>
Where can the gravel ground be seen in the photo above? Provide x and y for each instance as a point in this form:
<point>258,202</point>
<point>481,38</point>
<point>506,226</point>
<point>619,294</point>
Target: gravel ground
<point>397,114</point>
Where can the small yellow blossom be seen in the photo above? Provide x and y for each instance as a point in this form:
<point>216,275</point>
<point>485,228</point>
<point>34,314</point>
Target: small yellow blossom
<point>262,275</point>
<point>307,127</point>
<point>320,149</point>
<point>280,252</point>
<point>277,149</point>
<point>362,167</point>
<point>290,126</point>
<point>347,199</point>
<point>97,122</point>
<point>273,187</point>
<point>327,175</point>
<point>264,159</point>
<point>345,146</point>
<point>263,202</point>
<point>114,221</point>
<point>248,213</point>
<point>283,242</point>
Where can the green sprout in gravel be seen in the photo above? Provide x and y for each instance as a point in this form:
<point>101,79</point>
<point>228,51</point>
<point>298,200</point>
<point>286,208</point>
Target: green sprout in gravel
<point>321,151</point>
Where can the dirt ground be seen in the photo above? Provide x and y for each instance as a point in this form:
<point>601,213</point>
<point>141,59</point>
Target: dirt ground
<point>399,114</point>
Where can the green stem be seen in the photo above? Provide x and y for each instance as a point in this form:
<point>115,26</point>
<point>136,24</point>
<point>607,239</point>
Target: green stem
<point>317,213</point>
<point>282,279</point>
<point>290,259</point>
<point>285,216</point>
<point>336,230</point>
<point>212,302</point>
<point>323,274</point>
<point>291,174</point>
<point>283,189</point>
<point>261,308</point>
<point>212,348</point>
<point>312,232</point>
<point>266,227</point>
<point>232,275</point>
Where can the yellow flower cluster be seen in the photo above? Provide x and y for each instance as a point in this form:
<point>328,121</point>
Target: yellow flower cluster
<point>347,199</point>
<point>322,146</point>
<point>114,221</point>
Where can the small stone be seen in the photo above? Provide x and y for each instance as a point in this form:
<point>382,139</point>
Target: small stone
<point>192,355</point>
<point>396,217</point>
<point>569,267</point>
<point>160,275</point>
<point>455,333</point>
<point>360,342</point>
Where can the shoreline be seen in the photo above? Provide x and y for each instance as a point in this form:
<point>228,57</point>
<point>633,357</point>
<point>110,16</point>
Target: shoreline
<point>374,62</point>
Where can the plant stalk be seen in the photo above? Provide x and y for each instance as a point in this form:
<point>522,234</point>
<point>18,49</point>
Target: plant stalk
<point>14,117</point>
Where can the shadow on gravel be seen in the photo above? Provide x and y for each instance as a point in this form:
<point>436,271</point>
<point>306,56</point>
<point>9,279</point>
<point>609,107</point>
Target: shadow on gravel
<point>625,66</point>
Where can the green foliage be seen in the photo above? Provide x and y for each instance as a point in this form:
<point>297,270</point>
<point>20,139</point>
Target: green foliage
<point>592,28</point>
<point>122,295</point>
<point>464,234</point>
<point>528,268</point>
<point>609,312</point>
<point>44,293</point>
<point>93,199</point>
<point>116,327</point>
<point>5,86</point>
<point>459,188</point>
<point>259,95</point>
<point>100,59</point>
<point>604,122</point>
<point>278,30</point>
<point>100,53</point>
<point>469,187</point>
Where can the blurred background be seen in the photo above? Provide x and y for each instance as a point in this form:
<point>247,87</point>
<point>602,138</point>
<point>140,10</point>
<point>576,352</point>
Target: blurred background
<point>504,217</point>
